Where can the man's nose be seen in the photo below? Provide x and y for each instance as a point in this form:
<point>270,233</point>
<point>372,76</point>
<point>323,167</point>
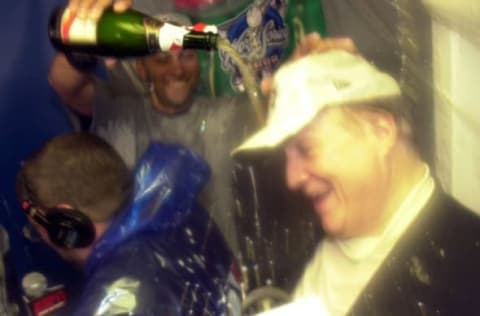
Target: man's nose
<point>176,65</point>
<point>295,172</point>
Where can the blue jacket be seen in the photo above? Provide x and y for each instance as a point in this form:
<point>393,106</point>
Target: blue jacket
<point>162,255</point>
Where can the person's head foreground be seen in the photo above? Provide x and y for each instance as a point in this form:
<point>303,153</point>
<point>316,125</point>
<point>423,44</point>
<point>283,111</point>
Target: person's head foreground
<point>347,138</point>
<point>71,189</point>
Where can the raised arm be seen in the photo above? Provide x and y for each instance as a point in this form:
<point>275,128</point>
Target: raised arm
<point>75,85</point>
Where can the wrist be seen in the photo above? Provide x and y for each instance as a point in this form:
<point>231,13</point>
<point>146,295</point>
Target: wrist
<point>82,62</point>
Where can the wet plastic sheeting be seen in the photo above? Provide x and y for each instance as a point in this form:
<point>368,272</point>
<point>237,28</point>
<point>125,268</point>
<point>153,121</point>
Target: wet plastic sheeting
<point>277,229</point>
<point>161,255</point>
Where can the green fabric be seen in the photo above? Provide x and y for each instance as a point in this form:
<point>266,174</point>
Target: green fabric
<point>289,20</point>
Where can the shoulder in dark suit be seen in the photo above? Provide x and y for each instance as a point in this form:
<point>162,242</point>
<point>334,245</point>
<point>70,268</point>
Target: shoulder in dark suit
<point>434,269</point>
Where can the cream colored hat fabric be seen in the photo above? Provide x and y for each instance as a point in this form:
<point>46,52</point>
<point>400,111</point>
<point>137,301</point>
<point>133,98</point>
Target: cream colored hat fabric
<point>306,86</point>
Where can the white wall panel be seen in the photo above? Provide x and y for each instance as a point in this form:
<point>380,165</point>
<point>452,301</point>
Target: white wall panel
<point>457,113</point>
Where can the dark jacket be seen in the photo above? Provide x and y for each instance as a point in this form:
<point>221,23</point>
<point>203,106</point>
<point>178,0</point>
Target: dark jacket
<point>433,270</point>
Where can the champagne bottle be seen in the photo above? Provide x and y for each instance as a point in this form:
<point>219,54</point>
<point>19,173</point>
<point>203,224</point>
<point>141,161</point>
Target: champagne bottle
<point>127,34</point>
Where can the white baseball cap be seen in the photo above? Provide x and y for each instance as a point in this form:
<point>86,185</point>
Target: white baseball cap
<point>304,87</point>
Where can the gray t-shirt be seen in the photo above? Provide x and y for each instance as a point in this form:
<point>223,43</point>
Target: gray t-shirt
<point>212,127</point>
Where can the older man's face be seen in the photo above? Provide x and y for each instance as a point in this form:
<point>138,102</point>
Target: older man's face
<point>341,166</point>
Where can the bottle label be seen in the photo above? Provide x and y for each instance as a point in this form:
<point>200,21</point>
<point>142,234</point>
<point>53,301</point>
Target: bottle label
<point>171,37</point>
<point>75,30</point>
<point>204,28</point>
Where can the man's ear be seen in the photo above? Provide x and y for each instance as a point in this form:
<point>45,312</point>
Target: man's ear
<point>382,129</point>
<point>385,129</point>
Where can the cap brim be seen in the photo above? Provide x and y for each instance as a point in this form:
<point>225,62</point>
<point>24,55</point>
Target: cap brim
<point>265,138</point>
<point>275,133</point>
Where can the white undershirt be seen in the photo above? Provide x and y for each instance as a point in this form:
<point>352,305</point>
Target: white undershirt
<point>342,268</point>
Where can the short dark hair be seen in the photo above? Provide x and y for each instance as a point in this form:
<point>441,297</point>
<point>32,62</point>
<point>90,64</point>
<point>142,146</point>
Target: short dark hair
<point>78,169</point>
